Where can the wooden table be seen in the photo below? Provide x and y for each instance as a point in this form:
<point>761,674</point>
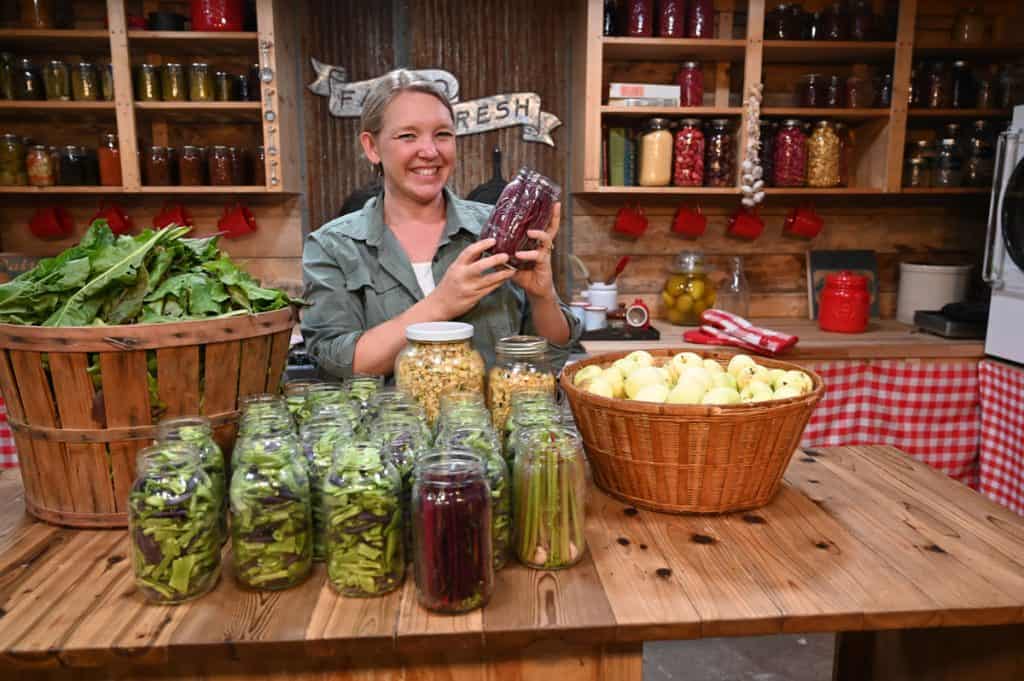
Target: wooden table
<point>884,339</point>
<point>924,577</point>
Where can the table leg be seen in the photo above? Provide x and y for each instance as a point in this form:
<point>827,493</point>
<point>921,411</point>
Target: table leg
<point>947,654</point>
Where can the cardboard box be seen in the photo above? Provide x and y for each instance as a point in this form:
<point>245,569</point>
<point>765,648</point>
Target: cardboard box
<point>644,91</point>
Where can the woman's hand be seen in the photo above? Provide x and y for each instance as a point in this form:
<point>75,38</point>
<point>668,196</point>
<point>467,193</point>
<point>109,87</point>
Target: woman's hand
<point>467,280</point>
<point>539,282</point>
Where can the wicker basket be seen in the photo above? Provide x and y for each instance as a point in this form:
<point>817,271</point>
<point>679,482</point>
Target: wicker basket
<point>689,458</point>
<point>77,445</point>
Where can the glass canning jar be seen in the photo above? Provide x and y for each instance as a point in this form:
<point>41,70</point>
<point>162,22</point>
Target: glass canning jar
<point>223,86</point>
<point>362,507</point>
<point>790,155</point>
<point>42,171</point>
<point>936,93</point>
<point>521,363</point>
<point>969,26</point>
<point>220,166</point>
<point>962,93</point>
<point>7,66</point>
<point>734,293</point>
<point>12,161</point>
<point>917,172</point>
<point>845,153</point>
<point>451,509</point>
<point>778,24</point>
<point>438,358</point>
<point>200,82</point>
<point>835,22</point>
<point>862,21</point>
<point>147,83</point>
<point>530,409</point>
<point>191,169</point>
<point>857,93</point>
<point>28,84</point>
<point>687,291</point>
<point>85,82</point>
<point>980,163</point>
<point>109,156</point>
<point>57,80</point>
<point>655,154</point>
<point>157,167</point>
<point>72,166</point>
<point>671,18</point>
<point>106,82</point>
<point>172,518</point>
<point>690,80</point>
<point>259,167</point>
<point>823,156</point>
<point>172,83</point>
<point>639,18</point>
<point>197,431</point>
<point>720,155</point>
<point>948,165</point>
<point>37,13</point>
<point>320,437</point>
<point>700,19</point>
<point>810,91</point>
<point>239,176</point>
<point>766,151</point>
<point>402,439</point>
<point>688,154</point>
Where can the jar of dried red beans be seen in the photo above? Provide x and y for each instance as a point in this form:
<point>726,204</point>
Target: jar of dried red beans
<point>639,18</point>
<point>688,163</point>
<point>720,155</point>
<point>790,155</point>
<point>690,80</point>
<point>672,18</point>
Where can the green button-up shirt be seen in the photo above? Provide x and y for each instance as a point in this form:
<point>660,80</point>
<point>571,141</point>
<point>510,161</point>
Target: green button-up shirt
<point>357,276</point>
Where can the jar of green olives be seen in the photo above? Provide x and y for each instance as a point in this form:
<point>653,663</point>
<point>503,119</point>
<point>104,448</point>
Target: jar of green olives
<point>688,291</point>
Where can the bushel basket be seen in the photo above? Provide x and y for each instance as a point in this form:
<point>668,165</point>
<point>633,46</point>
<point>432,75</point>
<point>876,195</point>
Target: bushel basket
<point>82,401</point>
<point>680,458</point>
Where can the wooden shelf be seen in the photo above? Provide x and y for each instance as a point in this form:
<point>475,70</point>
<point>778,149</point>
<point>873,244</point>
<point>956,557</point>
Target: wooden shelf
<point>661,191</point>
<point>192,42</point>
<point>48,105</point>
<point>959,113</point>
<point>202,112</point>
<point>681,111</point>
<point>45,40</point>
<point>241,189</point>
<point>807,112</point>
<point>952,191</point>
<point>968,51</point>
<point>822,191</point>
<point>61,190</point>
<point>826,52</point>
<point>673,48</point>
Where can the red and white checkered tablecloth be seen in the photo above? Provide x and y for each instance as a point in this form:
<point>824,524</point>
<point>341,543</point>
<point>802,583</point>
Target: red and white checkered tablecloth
<point>1001,461</point>
<point>8,454</point>
<point>928,410</point>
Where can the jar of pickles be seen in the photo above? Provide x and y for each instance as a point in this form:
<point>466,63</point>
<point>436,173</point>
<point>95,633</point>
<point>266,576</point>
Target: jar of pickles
<point>107,82</point>
<point>197,431</point>
<point>173,511</point>
<point>690,80</point>
<point>147,83</point>
<point>223,86</point>
<point>172,83</point>
<point>688,162</point>
<point>42,171</point>
<point>200,83</point>
<point>655,154</point>
<point>12,161</point>
<point>271,515</point>
<point>362,505</point>
<point>85,82</point>
<point>948,165</point>
<point>790,155</point>
<point>7,67</point>
<point>57,81</point>
<point>720,155</point>
<point>28,84</point>
<point>453,555</point>
<point>687,291</point>
<point>823,156</point>
<point>438,358</point>
<point>521,364</point>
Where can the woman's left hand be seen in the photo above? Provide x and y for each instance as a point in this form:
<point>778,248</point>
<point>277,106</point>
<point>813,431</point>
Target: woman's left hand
<point>539,282</point>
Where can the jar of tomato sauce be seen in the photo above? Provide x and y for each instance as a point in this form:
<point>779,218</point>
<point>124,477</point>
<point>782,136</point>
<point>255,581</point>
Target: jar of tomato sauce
<point>845,303</point>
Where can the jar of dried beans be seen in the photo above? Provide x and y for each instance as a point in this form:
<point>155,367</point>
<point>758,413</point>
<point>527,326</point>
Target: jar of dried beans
<point>688,170</point>
<point>790,155</point>
<point>720,155</point>
<point>823,156</point>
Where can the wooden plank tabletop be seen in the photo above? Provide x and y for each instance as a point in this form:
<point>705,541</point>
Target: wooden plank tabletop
<point>884,339</point>
<point>858,538</point>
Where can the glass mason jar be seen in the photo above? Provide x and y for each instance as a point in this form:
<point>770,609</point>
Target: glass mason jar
<point>239,176</point>
<point>451,509</point>
<point>690,80</point>
<point>454,403</point>
<point>530,409</point>
<point>862,21</point>
<point>766,151</point>
<point>85,82</point>
<point>639,18</point>
<point>857,93</point>
<point>254,83</point>
<point>172,83</point>
<point>12,161</point>
<point>320,437</point>
<point>655,154</point>
<point>835,22</point>
<point>28,84</point>
<point>198,432</point>
<point>220,166</point>
<point>57,81</point>
<point>969,26</point>
<point>261,406</point>
<point>107,82</point>
<point>833,92</point>
<point>191,169</point>
<point>610,23</point>
<point>984,91</point>
<point>242,87</point>
<point>37,14</point>
<point>845,153</point>
<point>1007,84</point>
<point>948,165</point>
<point>671,18</point>
<point>688,154</point>
<point>387,401</point>
<point>360,389</point>
<point>962,94</point>
<point>720,155</point>
<point>42,171</point>
<point>917,172</point>
<point>147,83</point>
<point>223,86</point>
<point>156,167</point>
<point>484,443</point>
<point>271,515</point>
<point>72,166</point>
<point>438,358</point>
<point>200,83</point>
<point>980,164</point>
<point>550,496</point>
<point>687,291</point>
<point>363,522</point>
<point>7,66</point>
<point>402,439</point>
<point>790,155</point>
<point>823,156</point>
<point>461,415</point>
<point>883,92</point>
<point>810,91</point>
<point>936,93</point>
<point>295,396</point>
<point>259,167</point>
<point>700,19</point>
<point>528,202</point>
<point>778,24</point>
<point>172,519</point>
<point>521,363</point>
<point>109,155</point>
<point>734,293</point>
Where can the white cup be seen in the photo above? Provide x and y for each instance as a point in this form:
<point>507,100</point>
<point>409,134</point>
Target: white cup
<point>577,307</point>
<point>595,317</point>
<point>602,295</point>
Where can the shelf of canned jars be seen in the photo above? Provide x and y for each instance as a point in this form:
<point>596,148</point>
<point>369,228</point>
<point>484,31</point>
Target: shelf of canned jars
<point>877,131</point>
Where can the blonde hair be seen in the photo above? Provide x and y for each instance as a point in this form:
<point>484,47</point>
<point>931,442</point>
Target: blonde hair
<point>389,86</point>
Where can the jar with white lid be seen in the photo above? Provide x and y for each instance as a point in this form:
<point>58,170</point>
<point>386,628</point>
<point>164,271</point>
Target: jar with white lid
<point>439,358</point>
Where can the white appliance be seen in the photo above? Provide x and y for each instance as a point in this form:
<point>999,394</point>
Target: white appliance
<point>1003,267</point>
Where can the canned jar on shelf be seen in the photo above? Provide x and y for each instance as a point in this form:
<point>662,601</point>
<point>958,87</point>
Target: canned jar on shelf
<point>156,166</point>
<point>191,168</point>
<point>655,154</point>
<point>690,80</point>
<point>109,157</point>
<point>147,83</point>
<point>57,81</point>
<point>85,82</point>
<point>639,18</point>
<point>42,170</point>
<point>438,358</point>
<point>7,65</point>
<point>823,156</point>
<point>948,170</point>
<point>220,166</point>
<point>72,166</point>
<point>720,155</point>
<point>688,162</point>
<point>790,155</point>
<point>172,83</point>
<point>671,18</point>
<point>688,291</point>
<point>223,86</point>
<point>200,82</point>
<point>810,91</point>
<point>28,84</point>
<point>12,161</point>
<point>107,82</point>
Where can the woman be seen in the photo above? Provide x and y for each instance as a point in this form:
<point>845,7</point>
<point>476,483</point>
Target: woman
<point>412,253</point>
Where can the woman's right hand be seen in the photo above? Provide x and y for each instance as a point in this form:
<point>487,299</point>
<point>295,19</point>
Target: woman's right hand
<point>468,279</point>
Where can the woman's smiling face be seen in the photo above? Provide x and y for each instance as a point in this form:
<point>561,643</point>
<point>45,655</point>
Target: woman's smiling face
<point>416,145</point>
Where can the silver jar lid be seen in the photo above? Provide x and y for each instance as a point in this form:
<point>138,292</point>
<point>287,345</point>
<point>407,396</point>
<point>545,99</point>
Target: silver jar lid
<point>521,346</point>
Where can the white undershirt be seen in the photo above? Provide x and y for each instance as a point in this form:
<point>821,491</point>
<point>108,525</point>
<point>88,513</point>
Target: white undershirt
<point>424,275</point>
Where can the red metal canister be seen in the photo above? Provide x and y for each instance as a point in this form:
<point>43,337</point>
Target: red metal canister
<point>845,303</point>
<point>217,15</point>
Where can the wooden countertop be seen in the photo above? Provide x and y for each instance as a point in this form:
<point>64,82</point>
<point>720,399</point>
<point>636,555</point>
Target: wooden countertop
<point>884,339</point>
<point>858,538</point>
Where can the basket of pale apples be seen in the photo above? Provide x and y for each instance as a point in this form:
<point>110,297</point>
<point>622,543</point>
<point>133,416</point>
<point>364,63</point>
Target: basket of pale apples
<point>680,432</point>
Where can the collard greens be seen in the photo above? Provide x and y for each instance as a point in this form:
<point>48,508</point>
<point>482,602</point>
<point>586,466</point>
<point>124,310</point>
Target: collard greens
<point>154,276</point>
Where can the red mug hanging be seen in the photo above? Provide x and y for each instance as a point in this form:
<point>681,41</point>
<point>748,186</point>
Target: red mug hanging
<point>689,222</point>
<point>630,221</point>
<point>237,221</point>
<point>172,214</point>
<point>745,223</point>
<point>803,222</point>
<point>53,222</point>
<point>115,216</point>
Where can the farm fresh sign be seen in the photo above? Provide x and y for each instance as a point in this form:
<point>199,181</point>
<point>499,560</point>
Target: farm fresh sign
<point>345,99</point>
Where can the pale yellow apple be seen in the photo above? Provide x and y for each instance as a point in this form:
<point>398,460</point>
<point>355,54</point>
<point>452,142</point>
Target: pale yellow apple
<point>641,377</point>
<point>656,392</point>
<point>787,391</point>
<point>756,391</point>
<point>744,375</point>
<point>698,375</point>
<point>739,361</point>
<point>690,358</point>
<point>640,358</point>
<point>676,367</point>
<point>774,376</point>
<point>586,373</point>
<point>723,380</point>
<point>796,379</point>
<point>599,386</point>
<point>624,366</point>
<point>615,380</point>
<point>713,365</point>
<point>721,396</point>
<point>689,392</point>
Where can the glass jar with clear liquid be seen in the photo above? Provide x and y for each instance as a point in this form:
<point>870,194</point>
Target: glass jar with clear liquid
<point>734,293</point>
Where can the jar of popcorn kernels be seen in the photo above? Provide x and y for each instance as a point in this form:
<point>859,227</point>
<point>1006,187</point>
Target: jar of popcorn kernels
<point>439,358</point>
<point>823,152</point>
